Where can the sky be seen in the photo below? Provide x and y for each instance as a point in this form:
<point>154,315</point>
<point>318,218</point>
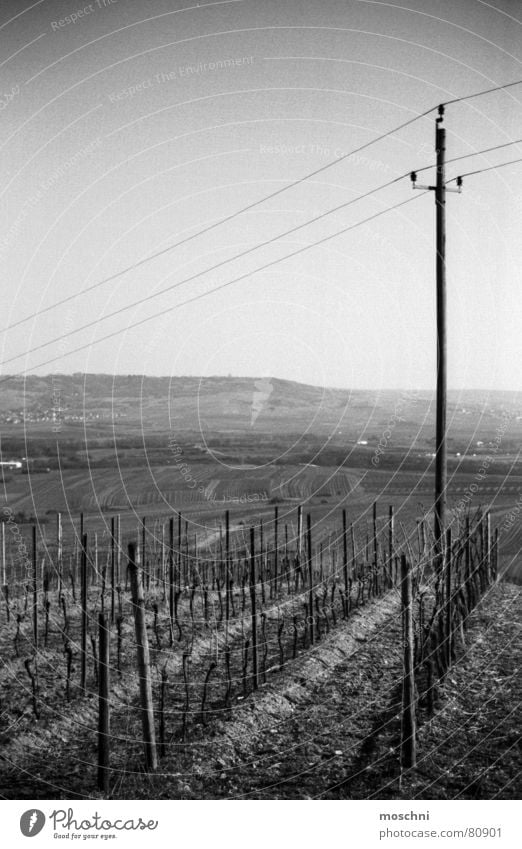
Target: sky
<point>128,126</point>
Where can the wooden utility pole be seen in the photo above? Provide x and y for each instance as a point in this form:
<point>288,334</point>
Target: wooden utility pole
<point>440,189</point>
<point>440,436</point>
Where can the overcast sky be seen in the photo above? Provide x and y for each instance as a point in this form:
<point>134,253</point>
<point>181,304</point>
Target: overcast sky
<point>125,128</point>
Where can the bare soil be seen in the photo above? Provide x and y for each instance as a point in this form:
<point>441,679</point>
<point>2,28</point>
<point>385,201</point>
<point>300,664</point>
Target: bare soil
<point>326,726</point>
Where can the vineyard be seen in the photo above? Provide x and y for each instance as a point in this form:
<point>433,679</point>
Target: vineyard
<point>132,650</point>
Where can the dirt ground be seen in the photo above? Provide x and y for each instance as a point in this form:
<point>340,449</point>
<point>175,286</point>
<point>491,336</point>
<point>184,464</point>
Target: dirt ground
<point>326,726</point>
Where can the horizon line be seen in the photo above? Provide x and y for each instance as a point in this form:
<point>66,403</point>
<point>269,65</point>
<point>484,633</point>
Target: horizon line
<point>229,376</point>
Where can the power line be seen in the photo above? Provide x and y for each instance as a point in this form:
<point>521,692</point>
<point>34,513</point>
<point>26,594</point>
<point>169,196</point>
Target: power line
<point>218,288</point>
<point>479,93</point>
<point>218,223</point>
<point>474,153</point>
<point>247,208</point>
<point>481,170</point>
<point>204,271</point>
<point>235,257</point>
<point>273,239</point>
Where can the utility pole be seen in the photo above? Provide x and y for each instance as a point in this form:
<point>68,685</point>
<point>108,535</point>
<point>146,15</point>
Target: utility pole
<point>440,188</point>
<point>440,434</point>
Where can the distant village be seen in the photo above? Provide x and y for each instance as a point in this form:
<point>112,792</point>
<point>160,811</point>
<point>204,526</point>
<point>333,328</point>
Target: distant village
<point>56,415</point>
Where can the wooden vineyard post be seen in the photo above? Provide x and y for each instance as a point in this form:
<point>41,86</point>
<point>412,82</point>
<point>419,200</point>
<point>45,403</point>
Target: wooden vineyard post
<point>422,531</point>
<point>171,578</point>
<point>345,563</point>
<point>408,731</point>
<point>180,560</point>
<point>143,561</point>
<point>186,581</point>
<point>113,566</point>
<point>5,588</point>
<point>83,657</point>
<point>449,605</point>
<point>2,555</point>
<point>495,555</point>
<point>253,608</point>
<point>118,550</point>
<point>94,573</point>
<point>375,550</point>
<point>227,574</point>
<point>276,542</point>
<point>391,523</point>
<point>488,548</point>
<point>354,563</point>
<point>59,552</point>
<point>35,592</point>
<point>467,567</point>
<point>162,562</point>
<point>103,705</point>
<point>298,571</point>
<point>310,578</point>
<point>142,648</point>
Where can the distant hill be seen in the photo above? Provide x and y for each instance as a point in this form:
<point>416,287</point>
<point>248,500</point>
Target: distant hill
<point>241,404</point>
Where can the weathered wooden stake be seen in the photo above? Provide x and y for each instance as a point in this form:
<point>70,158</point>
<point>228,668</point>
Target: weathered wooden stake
<point>113,566</point>
<point>142,648</point>
<point>345,561</point>
<point>83,657</point>
<point>2,554</point>
<point>310,578</point>
<point>449,600</point>
<point>171,578</point>
<point>59,551</point>
<point>103,705</point>
<point>375,550</point>
<point>35,592</point>
<point>276,543</point>
<point>118,550</point>
<point>391,542</point>
<point>227,573</point>
<point>408,741</point>
<point>489,570</point>
<point>253,614</point>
